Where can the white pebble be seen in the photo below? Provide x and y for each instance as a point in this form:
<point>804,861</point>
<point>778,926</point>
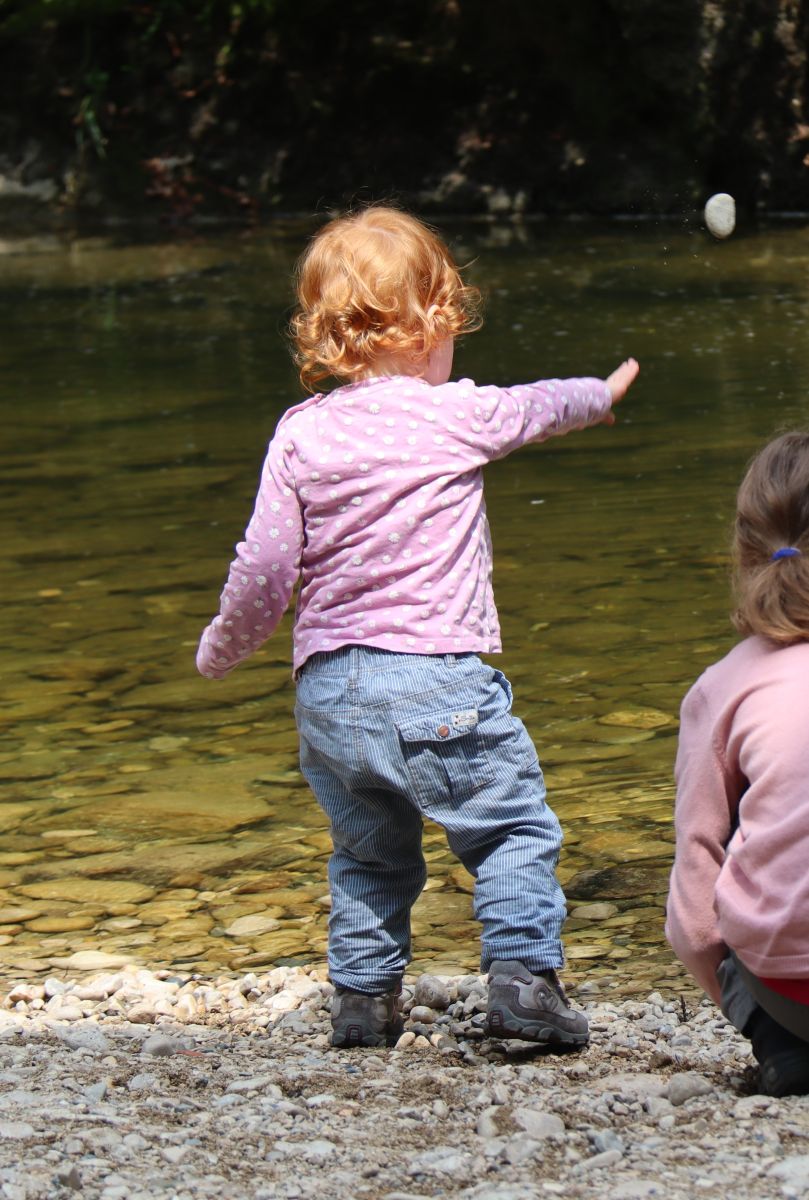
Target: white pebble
<point>720,215</point>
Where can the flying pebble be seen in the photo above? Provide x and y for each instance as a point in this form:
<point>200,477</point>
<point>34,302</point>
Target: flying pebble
<point>720,215</point>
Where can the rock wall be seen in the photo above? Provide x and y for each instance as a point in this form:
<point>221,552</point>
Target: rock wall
<point>188,110</point>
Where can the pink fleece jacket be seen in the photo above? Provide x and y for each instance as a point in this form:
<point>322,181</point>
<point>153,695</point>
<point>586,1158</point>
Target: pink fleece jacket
<point>741,868</point>
<point>373,494</point>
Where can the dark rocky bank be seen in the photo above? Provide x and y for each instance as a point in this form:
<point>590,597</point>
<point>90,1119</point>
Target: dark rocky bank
<point>184,112</point>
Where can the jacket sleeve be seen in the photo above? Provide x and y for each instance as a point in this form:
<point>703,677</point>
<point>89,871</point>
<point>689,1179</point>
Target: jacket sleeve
<point>704,815</point>
<point>506,418</point>
<point>262,575</point>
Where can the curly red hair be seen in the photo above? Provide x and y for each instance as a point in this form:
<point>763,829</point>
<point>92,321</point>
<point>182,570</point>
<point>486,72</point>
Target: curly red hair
<point>376,287</point>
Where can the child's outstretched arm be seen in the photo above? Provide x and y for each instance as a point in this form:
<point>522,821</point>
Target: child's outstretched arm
<point>263,574</point>
<point>503,419</point>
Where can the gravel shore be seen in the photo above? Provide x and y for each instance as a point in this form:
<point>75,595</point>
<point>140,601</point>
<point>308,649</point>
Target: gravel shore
<point>131,1084</point>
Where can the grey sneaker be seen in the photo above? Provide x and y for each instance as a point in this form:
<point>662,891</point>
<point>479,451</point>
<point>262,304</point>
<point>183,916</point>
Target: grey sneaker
<point>533,1007</point>
<point>361,1020</point>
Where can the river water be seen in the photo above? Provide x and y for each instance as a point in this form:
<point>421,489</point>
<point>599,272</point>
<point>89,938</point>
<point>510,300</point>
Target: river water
<point>153,817</point>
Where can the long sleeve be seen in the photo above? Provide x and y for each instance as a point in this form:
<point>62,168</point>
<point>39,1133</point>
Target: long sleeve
<point>373,493</point>
<point>704,817</point>
<point>263,574</point>
<point>508,418</point>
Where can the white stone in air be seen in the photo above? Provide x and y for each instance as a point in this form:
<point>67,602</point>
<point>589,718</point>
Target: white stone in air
<point>720,215</point>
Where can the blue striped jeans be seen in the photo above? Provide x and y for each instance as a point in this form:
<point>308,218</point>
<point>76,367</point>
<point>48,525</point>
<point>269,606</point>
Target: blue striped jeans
<point>388,739</point>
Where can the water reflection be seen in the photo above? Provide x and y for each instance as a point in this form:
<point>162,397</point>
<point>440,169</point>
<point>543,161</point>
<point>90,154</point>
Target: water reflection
<point>148,815</point>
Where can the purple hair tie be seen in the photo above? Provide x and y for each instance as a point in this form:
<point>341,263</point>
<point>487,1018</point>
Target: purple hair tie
<point>786,552</point>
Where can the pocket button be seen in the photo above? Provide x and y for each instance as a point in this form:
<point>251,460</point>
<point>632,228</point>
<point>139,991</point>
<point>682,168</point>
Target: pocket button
<point>443,731</point>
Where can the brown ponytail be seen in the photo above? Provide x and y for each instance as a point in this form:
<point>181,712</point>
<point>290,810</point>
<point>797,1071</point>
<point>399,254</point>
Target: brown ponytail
<point>772,514</point>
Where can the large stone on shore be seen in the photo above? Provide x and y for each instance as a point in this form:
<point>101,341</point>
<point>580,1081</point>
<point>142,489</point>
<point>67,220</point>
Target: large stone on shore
<point>685,1086</point>
<point>16,1131</point>
<point>538,1124</point>
<point>432,992</point>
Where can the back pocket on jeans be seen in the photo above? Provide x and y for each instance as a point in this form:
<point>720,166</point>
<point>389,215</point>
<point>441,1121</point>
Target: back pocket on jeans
<point>443,756</point>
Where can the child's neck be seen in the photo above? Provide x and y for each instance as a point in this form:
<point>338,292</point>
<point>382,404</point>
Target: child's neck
<point>433,368</point>
<point>398,366</point>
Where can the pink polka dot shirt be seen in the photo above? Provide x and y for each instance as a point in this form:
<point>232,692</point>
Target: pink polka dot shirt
<point>372,496</point>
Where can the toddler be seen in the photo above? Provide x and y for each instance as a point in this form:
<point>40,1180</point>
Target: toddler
<point>373,495</point>
<point>738,906</point>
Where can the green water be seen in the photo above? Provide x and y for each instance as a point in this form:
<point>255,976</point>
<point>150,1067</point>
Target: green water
<point>160,818</point>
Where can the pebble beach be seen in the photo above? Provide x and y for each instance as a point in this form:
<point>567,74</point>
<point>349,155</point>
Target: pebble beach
<point>136,1084</point>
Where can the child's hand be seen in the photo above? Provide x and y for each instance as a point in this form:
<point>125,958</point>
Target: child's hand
<point>622,379</point>
<point>618,383</point>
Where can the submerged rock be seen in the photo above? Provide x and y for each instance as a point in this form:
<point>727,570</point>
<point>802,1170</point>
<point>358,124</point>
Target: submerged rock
<point>619,882</point>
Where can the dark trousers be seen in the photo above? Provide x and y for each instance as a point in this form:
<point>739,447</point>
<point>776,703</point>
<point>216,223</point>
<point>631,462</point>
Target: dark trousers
<point>743,993</point>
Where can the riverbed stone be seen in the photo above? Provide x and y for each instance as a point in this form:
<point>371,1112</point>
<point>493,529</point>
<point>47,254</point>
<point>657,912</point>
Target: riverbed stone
<point>64,924</point>
<point>12,815</point>
<point>597,911</point>
<point>252,925</point>
<point>638,718</point>
<point>89,891</point>
<point>622,881</point>
<point>17,914</point>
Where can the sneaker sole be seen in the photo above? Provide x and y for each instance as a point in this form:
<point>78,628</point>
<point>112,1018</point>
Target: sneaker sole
<point>355,1036</point>
<point>502,1023</point>
<point>351,1036</point>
